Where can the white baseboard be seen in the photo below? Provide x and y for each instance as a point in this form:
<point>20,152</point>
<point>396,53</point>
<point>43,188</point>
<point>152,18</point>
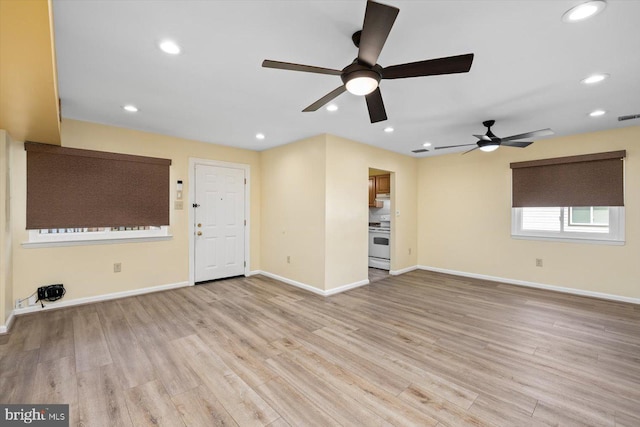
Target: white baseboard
<point>346,287</point>
<point>403,270</point>
<point>253,273</point>
<point>6,328</point>
<point>99,298</point>
<point>313,288</point>
<point>562,289</point>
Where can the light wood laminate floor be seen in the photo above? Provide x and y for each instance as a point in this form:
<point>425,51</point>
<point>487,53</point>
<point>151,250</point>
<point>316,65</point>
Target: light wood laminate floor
<point>420,349</point>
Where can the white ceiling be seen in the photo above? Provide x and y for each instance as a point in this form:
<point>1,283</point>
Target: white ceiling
<point>526,72</point>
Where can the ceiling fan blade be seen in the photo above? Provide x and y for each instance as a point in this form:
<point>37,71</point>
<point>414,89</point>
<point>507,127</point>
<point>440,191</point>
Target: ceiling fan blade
<point>519,144</point>
<point>378,21</point>
<point>375,105</point>
<point>453,146</point>
<point>534,134</point>
<point>470,150</point>
<point>430,67</point>
<point>483,137</point>
<point>325,99</point>
<point>267,63</point>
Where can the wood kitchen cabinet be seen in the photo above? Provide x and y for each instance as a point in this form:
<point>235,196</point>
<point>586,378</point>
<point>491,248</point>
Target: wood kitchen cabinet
<point>372,191</point>
<point>383,184</point>
<point>380,184</point>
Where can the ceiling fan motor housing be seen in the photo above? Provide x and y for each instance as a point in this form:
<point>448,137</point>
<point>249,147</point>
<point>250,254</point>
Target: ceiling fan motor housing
<point>356,69</point>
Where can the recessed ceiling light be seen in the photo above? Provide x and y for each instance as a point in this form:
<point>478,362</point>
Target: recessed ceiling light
<point>332,107</point>
<point>584,11</point>
<point>130,108</point>
<point>388,129</point>
<point>426,144</point>
<point>597,113</point>
<point>170,47</point>
<point>595,78</point>
<point>260,136</point>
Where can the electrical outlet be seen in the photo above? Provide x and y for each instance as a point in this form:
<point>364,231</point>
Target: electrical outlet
<point>117,267</point>
<point>19,303</point>
<point>288,259</point>
<point>538,262</point>
<point>32,300</point>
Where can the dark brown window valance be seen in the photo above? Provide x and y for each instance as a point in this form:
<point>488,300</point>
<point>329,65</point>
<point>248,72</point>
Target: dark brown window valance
<point>72,188</point>
<point>586,180</point>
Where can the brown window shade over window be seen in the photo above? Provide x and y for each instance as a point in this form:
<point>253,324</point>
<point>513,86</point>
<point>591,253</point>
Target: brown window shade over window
<point>587,180</point>
<point>69,188</point>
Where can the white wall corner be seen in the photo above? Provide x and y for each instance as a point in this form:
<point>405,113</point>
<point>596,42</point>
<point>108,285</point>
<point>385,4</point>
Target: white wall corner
<point>346,287</point>
<point>403,270</point>
<point>293,283</point>
<point>313,289</point>
<point>4,329</point>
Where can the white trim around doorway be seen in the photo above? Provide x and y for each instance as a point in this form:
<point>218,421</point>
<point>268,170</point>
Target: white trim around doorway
<point>247,209</point>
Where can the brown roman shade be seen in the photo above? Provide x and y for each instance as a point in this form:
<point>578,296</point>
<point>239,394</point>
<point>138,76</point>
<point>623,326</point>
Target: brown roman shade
<point>72,188</point>
<point>586,180</point>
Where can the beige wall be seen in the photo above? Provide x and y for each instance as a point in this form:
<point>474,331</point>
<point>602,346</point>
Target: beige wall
<point>315,210</point>
<point>87,271</point>
<point>465,218</point>
<point>348,164</point>
<point>309,202</point>
<point>6,261</point>
<point>293,211</point>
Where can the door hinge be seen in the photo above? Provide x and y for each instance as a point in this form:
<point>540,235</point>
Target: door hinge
<point>245,222</point>
<point>245,181</point>
<point>245,263</point>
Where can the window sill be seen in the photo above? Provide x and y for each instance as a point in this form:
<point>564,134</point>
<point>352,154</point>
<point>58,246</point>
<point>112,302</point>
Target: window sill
<point>570,240</point>
<point>120,240</point>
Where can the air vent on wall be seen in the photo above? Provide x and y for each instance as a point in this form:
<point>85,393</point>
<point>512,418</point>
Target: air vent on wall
<point>633,116</point>
<point>420,150</point>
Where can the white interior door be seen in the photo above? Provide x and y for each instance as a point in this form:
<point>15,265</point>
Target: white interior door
<point>219,222</point>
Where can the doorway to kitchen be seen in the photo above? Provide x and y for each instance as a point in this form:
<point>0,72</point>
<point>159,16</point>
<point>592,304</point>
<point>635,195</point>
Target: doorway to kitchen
<point>379,258</point>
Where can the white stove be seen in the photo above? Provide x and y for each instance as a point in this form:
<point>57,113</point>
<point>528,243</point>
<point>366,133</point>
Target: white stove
<point>379,238</point>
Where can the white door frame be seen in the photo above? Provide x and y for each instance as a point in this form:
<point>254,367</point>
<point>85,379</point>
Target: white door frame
<point>192,194</point>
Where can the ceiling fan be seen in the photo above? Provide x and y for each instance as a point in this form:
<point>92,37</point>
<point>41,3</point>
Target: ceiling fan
<point>363,75</point>
<point>490,142</point>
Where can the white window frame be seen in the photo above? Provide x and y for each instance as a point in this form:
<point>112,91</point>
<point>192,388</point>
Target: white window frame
<point>615,236</point>
<point>584,224</point>
<point>107,236</point>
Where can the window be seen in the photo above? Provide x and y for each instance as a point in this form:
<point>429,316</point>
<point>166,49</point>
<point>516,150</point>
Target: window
<point>595,224</point>
<point>576,198</point>
<point>596,216</point>
<point>96,234</point>
<point>69,188</point>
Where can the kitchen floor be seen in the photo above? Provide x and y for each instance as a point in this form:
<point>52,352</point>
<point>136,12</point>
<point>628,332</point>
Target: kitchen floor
<point>375,274</point>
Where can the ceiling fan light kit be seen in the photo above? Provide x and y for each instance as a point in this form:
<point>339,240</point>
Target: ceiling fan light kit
<point>363,75</point>
<point>490,142</point>
<point>360,81</point>
<point>488,147</point>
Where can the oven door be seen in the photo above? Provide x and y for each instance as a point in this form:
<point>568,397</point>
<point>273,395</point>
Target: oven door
<point>379,244</point>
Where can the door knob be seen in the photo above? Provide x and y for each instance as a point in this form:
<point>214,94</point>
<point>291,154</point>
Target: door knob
<point>199,233</point>
<point>199,225</point>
